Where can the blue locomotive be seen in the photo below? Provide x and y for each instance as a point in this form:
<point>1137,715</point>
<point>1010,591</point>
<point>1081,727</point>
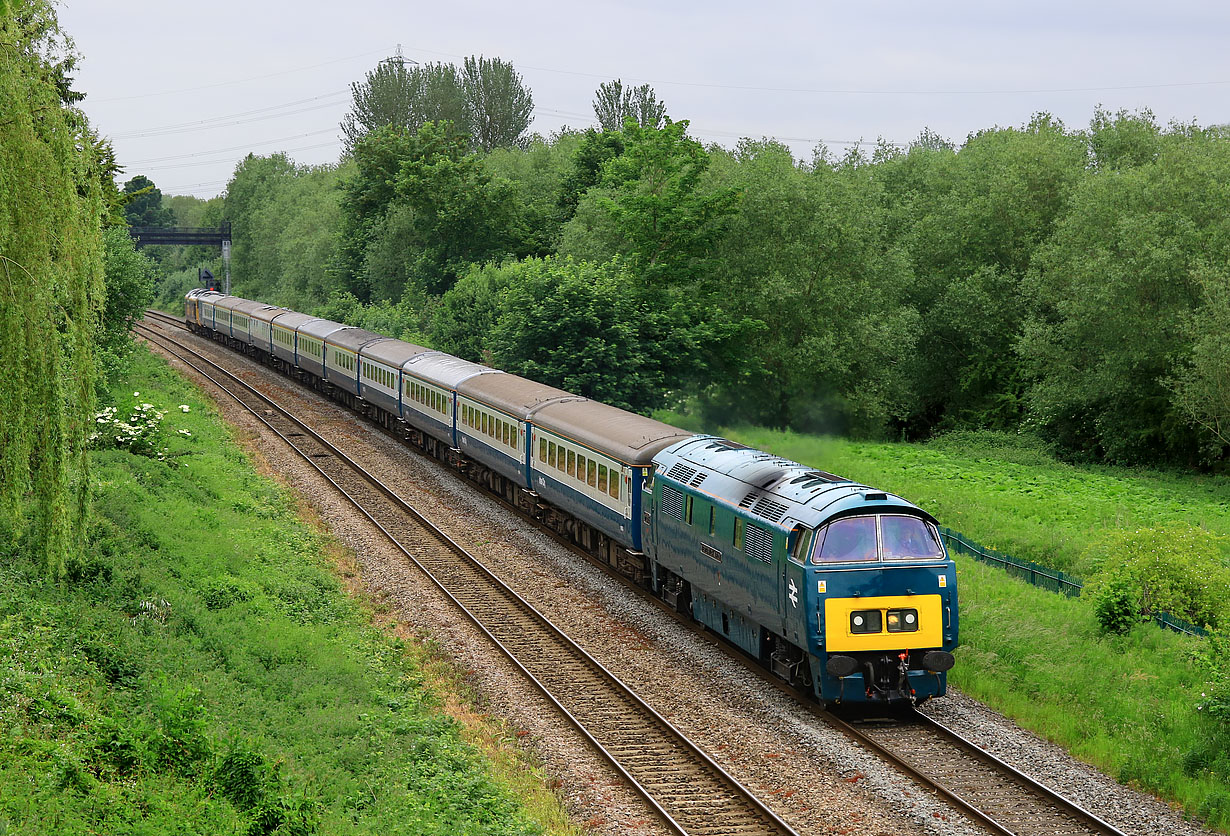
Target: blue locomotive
<point>836,587</point>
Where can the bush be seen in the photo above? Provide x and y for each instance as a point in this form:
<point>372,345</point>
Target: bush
<point>1214,660</point>
<point>1177,569</point>
<point>1115,603</point>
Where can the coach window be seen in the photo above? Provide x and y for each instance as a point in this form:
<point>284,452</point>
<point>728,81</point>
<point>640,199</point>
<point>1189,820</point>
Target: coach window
<point>551,453</point>
<point>616,480</point>
<point>592,473</point>
<point>580,474</point>
<point>542,449</point>
<point>572,463</point>
<point>602,478</point>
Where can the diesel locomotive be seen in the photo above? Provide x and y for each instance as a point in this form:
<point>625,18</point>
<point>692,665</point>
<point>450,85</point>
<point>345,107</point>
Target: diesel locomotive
<point>840,589</point>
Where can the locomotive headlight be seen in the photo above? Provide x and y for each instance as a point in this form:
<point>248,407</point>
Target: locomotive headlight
<point>866,621</point>
<point>902,621</point>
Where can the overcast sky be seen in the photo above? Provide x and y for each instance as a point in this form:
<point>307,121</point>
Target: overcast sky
<point>186,90</point>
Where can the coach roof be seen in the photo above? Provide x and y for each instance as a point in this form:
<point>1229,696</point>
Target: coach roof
<point>631,438</point>
<point>513,394</point>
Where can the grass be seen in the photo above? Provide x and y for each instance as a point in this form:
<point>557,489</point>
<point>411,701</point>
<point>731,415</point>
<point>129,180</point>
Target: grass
<point>1128,704</point>
<point>203,670</point>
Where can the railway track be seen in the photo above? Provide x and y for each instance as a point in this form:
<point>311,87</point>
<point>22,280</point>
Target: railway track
<point>688,790</point>
<point>986,790</point>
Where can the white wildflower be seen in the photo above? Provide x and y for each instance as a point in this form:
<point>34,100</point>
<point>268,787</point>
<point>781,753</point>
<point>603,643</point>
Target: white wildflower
<point>183,407</point>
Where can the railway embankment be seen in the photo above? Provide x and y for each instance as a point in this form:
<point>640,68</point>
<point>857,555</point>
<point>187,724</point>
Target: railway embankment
<point>205,670</point>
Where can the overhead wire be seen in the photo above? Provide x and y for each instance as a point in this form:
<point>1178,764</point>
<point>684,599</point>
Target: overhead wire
<point>243,80</point>
<point>855,91</point>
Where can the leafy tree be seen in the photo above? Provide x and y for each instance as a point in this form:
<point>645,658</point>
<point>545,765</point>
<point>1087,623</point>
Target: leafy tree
<point>1201,383</point>
<point>395,94</point>
<point>390,94</point>
<point>51,212</point>
<point>420,209</point>
<point>539,174</point>
<point>971,222</point>
<point>807,256</point>
<point>144,206</point>
<point>1116,290</point>
<point>129,280</point>
<point>1123,140</point>
<point>594,150</point>
<point>650,209</point>
<point>498,104</point>
<point>614,104</point>
<point>467,313</point>
<point>587,328</point>
<point>1176,569</point>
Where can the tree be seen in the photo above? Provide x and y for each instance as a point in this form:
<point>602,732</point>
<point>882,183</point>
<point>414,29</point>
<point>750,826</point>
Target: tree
<point>144,207</point>
<point>1115,292</point>
<point>129,280</point>
<point>419,209</point>
<point>808,256</point>
<point>395,94</point>
<point>614,104</point>
<point>391,94</point>
<point>499,106</point>
<point>656,213</point>
<point>51,212</point>
<point>593,329</point>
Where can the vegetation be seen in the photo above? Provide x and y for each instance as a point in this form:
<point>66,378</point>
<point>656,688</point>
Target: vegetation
<point>202,670</point>
<point>52,197</point>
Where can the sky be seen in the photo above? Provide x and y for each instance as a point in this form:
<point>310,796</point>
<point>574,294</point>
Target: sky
<point>187,90</point>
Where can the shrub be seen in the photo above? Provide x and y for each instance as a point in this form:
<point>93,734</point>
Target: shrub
<point>1214,659</point>
<point>1176,569</point>
<point>1115,604</point>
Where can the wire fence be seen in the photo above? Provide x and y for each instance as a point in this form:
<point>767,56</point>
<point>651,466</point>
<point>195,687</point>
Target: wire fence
<point>1045,577</point>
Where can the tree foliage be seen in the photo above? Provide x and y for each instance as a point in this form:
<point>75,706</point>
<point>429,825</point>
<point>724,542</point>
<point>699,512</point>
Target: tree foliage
<point>51,289</point>
<point>144,204</point>
<point>614,104</point>
<point>403,95</point>
<point>485,100</point>
<point>418,210</point>
<point>129,280</point>
<point>499,106</point>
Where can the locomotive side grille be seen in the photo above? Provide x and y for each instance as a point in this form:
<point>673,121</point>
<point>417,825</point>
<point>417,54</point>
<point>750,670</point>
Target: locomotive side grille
<point>680,472</point>
<point>672,502</point>
<point>769,509</point>
<point>758,543</point>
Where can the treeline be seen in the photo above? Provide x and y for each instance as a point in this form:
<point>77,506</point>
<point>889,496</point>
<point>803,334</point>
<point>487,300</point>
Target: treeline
<point>70,285</point>
<point>1067,283</point>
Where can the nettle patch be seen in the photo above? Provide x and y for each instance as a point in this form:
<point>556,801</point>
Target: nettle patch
<point>141,432</point>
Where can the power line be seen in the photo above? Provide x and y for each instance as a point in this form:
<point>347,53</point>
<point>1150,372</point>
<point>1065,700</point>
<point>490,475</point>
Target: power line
<point>859,92</point>
<point>258,110</point>
<point>245,147</point>
<point>207,125</point>
<point>241,80</point>
<point>224,160</point>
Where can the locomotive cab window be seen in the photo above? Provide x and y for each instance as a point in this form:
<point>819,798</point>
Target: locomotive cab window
<point>847,540</point>
<point>908,538</point>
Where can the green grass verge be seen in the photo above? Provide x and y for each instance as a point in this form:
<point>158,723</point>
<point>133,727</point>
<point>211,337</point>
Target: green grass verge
<point>204,671</point>
<point>1127,704</point>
